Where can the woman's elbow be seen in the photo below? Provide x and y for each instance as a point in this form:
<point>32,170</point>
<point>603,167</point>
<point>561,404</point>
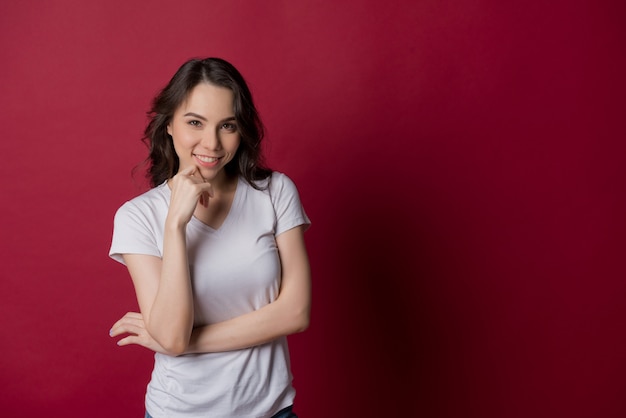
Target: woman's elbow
<point>301,321</point>
<point>174,345</point>
<point>175,349</point>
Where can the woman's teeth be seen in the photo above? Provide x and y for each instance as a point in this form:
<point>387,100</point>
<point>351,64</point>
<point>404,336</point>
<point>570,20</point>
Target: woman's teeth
<point>206,159</point>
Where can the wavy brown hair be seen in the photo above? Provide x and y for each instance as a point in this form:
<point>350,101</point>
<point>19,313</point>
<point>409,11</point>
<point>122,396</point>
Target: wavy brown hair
<point>162,160</point>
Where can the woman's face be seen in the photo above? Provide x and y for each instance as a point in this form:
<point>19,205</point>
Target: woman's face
<point>204,130</point>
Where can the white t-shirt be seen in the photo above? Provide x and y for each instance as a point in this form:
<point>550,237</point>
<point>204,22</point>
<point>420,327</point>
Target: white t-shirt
<point>235,269</point>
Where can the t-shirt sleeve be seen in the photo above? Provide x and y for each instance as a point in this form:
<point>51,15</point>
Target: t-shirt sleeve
<point>132,234</point>
<point>287,204</point>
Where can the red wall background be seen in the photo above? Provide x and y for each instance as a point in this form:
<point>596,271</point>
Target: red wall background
<point>463,163</point>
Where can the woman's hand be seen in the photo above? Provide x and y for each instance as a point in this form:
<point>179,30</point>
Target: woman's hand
<point>132,324</point>
<point>188,188</point>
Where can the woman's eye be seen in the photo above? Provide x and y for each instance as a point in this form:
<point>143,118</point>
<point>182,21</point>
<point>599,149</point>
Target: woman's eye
<point>195,123</point>
<point>229,127</point>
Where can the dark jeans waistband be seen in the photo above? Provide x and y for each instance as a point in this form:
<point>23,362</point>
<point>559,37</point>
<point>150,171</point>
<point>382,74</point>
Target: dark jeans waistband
<point>283,413</point>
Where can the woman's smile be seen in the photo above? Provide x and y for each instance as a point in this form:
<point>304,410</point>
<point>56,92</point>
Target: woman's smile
<point>206,161</point>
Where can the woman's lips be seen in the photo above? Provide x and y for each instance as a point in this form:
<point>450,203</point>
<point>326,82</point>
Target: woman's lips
<point>206,161</point>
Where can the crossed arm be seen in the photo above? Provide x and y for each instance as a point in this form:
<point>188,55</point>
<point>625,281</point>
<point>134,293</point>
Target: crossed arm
<point>165,323</point>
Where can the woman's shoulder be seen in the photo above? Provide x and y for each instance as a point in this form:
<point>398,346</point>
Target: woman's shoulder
<point>275,182</point>
<point>263,183</point>
<point>153,200</point>
<point>280,181</point>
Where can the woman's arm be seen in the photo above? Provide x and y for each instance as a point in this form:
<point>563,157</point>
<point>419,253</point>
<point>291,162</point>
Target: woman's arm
<point>288,314</point>
<point>164,297</point>
<point>163,286</point>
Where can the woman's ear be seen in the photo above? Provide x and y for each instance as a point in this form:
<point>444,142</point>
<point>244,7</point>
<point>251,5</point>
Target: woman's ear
<point>169,129</point>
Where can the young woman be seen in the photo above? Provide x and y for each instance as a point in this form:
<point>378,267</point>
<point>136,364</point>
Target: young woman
<point>216,253</point>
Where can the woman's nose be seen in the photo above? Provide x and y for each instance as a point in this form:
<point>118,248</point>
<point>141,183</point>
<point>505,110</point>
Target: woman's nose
<point>210,139</point>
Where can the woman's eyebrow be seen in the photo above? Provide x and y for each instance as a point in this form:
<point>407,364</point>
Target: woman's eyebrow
<point>195,115</point>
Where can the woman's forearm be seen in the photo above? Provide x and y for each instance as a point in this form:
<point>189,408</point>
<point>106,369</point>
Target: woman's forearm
<point>288,314</point>
<point>255,328</point>
<point>171,316</point>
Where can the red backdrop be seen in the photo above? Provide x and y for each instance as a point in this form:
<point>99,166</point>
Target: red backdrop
<point>462,162</point>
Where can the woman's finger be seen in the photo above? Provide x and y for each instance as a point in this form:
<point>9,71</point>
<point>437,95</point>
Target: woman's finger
<point>126,328</point>
<point>188,171</point>
<point>131,339</point>
<point>130,318</point>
